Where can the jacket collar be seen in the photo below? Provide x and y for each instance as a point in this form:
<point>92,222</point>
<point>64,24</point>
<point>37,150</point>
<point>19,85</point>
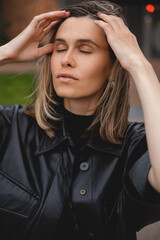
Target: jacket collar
<point>48,144</point>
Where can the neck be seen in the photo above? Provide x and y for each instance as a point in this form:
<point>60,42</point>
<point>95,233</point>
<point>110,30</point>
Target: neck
<point>80,107</point>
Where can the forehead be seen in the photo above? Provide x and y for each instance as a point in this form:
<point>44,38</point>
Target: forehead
<point>74,28</point>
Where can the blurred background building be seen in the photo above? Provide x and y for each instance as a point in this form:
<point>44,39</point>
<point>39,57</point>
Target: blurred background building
<point>143,18</point>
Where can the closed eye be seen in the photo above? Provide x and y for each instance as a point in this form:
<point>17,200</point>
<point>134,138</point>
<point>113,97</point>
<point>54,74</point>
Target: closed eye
<point>85,52</point>
<point>62,50</point>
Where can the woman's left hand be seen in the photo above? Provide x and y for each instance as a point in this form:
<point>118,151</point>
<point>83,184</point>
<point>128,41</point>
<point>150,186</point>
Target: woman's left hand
<point>122,41</point>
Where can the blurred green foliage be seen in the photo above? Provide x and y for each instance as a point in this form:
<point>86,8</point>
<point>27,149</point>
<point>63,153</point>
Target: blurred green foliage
<point>15,87</point>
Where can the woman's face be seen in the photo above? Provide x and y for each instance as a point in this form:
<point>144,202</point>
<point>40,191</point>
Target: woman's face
<point>80,62</point>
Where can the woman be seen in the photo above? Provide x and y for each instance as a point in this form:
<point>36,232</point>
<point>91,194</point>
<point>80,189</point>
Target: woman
<point>71,165</point>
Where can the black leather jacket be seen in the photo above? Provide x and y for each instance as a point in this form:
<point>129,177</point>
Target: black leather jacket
<point>104,184</point>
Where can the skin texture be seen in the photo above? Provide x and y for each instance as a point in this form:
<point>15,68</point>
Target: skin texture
<point>89,63</point>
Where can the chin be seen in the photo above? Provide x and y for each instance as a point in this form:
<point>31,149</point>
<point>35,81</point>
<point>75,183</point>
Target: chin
<point>65,93</point>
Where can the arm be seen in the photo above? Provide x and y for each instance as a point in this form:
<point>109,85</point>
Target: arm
<point>24,47</point>
<point>149,91</point>
<point>3,56</point>
<point>126,48</point>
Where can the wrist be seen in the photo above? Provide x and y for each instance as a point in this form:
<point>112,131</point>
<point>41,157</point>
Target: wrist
<point>139,67</point>
<point>4,55</point>
<point>144,77</point>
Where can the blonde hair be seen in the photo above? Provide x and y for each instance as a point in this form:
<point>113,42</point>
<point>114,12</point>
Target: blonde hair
<point>111,115</point>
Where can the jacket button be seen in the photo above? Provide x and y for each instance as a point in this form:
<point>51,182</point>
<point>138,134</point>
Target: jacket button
<point>84,166</point>
<point>91,235</point>
<point>82,191</point>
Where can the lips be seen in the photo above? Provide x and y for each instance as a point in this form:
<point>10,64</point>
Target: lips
<point>66,76</point>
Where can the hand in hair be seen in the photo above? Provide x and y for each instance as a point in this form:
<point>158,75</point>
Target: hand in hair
<point>24,47</point>
<point>122,41</point>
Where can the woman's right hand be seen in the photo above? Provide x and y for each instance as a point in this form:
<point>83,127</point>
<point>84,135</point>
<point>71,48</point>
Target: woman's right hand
<point>24,47</point>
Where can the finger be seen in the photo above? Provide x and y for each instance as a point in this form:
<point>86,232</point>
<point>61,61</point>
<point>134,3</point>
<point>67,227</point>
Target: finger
<point>45,50</point>
<point>49,16</point>
<point>114,21</point>
<point>105,26</point>
<point>44,23</point>
<point>48,29</point>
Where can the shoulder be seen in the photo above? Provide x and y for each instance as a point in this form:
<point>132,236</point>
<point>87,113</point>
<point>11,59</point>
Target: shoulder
<point>135,138</point>
<point>134,131</point>
<point>14,112</point>
<point>13,108</point>
<point>15,118</point>
<point>135,143</point>
<point>16,124</point>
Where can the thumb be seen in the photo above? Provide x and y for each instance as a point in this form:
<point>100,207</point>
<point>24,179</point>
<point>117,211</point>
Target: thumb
<point>46,49</point>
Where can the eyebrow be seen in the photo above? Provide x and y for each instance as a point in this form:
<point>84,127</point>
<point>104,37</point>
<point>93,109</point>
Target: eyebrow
<point>78,41</point>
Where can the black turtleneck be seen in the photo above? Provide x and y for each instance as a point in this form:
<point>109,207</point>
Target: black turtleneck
<point>76,126</point>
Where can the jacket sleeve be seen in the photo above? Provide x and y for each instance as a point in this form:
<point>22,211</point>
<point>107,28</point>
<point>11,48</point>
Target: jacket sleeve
<point>140,201</point>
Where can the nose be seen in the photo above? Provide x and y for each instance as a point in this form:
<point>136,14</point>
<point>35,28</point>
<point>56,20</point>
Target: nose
<point>68,60</point>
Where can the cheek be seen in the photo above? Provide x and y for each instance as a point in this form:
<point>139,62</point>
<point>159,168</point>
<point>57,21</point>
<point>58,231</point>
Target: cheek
<point>53,63</point>
<point>97,69</point>
<point>55,60</point>
<point>54,66</point>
